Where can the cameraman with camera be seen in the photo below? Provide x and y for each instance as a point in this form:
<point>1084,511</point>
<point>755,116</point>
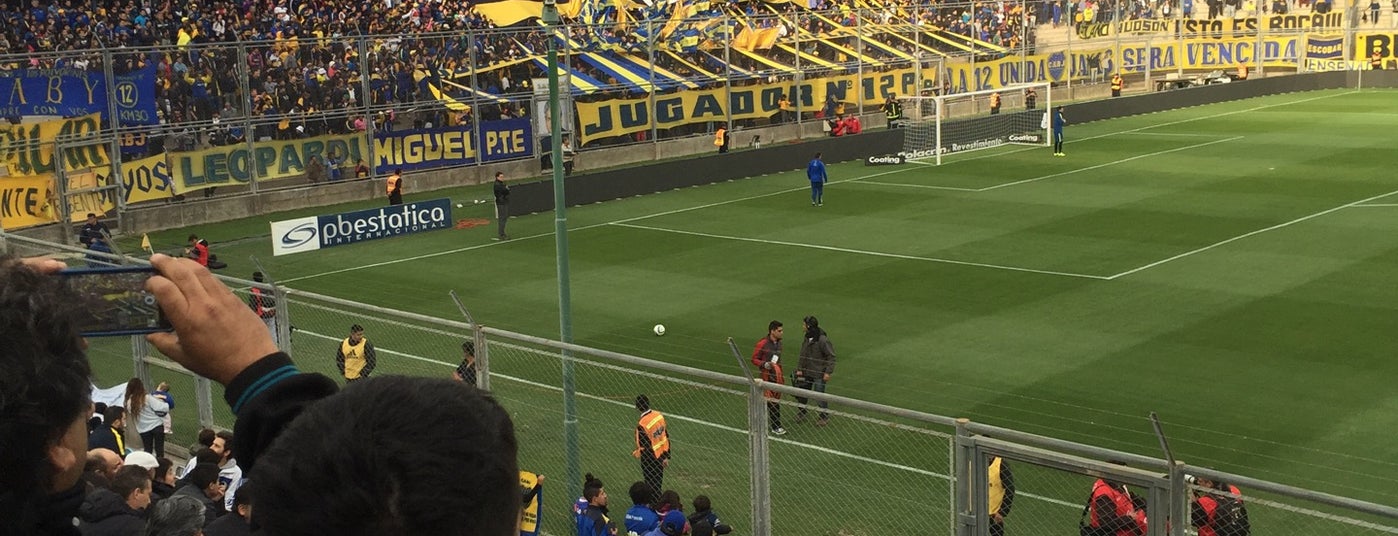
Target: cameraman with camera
<point>1216,508</point>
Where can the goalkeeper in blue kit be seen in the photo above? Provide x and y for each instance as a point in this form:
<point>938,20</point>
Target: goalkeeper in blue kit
<point>815,171</point>
<point>1058,123</point>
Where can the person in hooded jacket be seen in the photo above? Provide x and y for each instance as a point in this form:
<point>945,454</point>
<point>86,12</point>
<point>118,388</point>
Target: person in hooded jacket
<point>704,522</point>
<point>119,511</point>
<point>814,367</point>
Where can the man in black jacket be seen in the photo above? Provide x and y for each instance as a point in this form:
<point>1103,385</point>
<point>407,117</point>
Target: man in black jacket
<point>502,204</point>
<point>119,511</point>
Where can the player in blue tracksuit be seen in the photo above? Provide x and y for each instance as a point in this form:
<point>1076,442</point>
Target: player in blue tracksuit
<point>1058,122</point>
<point>815,171</point>
<point>641,519</point>
<point>593,520</point>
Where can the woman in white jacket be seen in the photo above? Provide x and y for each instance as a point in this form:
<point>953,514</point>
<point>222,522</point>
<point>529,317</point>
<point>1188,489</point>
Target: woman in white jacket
<point>148,413</point>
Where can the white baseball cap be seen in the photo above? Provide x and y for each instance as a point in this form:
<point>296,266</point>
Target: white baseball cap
<point>143,459</point>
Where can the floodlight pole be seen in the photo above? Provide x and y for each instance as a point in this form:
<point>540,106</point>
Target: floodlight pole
<point>571,445</point>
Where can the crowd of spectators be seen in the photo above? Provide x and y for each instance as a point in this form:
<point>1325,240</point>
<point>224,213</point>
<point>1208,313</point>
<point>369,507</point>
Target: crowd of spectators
<point>295,74</point>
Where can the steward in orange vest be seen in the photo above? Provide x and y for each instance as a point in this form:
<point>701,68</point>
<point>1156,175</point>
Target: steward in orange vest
<point>652,443</point>
<point>1110,512</point>
<point>721,139</point>
<point>1117,84</point>
<point>395,187</point>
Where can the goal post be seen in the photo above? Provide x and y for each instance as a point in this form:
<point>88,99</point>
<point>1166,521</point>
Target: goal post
<point>938,125</point>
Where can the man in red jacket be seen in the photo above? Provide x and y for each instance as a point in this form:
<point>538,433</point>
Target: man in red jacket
<point>766,355</point>
<point>198,250</point>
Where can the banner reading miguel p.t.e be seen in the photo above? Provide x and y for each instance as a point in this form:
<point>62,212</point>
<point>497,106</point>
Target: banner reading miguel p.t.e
<point>428,148</point>
<point>317,232</point>
<point>235,164</point>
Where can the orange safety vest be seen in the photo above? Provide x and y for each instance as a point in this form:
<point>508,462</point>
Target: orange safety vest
<point>1122,501</point>
<point>393,181</point>
<point>653,425</point>
<point>1210,507</point>
<point>994,100</point>
<point>1117,82</point>
<point>718,136</point>
<point>1376,61</point>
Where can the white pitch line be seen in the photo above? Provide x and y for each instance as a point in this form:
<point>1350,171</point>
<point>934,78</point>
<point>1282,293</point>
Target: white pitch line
<point>858,251</point>
<point>1179,134</point>
<point>1108,164</point>
<point>701,422</point>
<point>789,190</point>
<point>1375,205</point>
<point>1253,233</point>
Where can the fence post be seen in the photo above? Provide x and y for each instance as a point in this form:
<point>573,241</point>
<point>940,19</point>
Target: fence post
<point>1179,499</point>
<point>482,356</point>
<point>963,455</point>
<point>282,322</point>
<point>140,349</point>
<point>760,468</point>
<point>204,394</point>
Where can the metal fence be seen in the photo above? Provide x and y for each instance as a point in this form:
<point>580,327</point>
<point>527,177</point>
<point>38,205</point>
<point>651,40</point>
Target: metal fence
<point>873,469</point>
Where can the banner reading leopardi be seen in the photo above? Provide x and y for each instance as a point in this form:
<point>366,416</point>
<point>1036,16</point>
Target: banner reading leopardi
<point>235,164</point>
<point>1213,28</point>
<point>316,232</point>
<point>28,149</point>
<point>617,117</point>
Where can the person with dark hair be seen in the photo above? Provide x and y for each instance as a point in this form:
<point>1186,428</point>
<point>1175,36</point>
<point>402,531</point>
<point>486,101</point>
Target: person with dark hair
<point>237,523</point>
<point>672,523</point>
<point>120,509</point>
<point>95,422</point>
<point>466,371</point>
<point>593,520</point>
<point>202,484</point>
<point>45,400</point>
<point>1216,509</point>
<point>92,230</point>
<point>198,250</point>
<point>814,367</point>
<point>203,456</point>
<point>581,503</point>
<point>149,412</point>
<point>641,517</point>
<point>207,440</point>
<point>230,476</point>
<point>264,304</point>
<point>356,357</point>
<point>1058,122</point>
<point>181,515</point>
<point>669,500</point>
<point>502,205</point>
<point>652,443</point>
<point>163,484</point>
<point>766,355</point>
<point>293,440</point>
<point>815,171</point>
<point>704,522</point>
<point>112,436</point>
<point>1111,511</point>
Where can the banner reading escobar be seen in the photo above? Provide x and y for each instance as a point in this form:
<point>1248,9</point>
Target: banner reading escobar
<point>316,232</point>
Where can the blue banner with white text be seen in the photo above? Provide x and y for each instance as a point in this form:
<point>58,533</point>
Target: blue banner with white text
<point>72,92</point>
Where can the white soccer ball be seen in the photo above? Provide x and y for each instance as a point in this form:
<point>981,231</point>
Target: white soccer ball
<point>659,329</point>
<point>459,205</point>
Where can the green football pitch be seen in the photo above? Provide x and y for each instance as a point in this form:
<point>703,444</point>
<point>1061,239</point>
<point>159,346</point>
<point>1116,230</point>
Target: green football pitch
<point>1229,266</point>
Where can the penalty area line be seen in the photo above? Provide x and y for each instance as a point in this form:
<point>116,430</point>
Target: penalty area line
<point>860,251</point>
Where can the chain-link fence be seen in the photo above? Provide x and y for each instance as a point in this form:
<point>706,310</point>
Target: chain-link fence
<point>849,467</point>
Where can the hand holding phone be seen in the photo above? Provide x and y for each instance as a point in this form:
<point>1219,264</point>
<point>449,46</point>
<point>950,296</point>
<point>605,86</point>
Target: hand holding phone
<point>216,334</point>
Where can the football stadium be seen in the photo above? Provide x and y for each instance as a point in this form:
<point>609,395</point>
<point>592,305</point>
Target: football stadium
<point>1123,267</point>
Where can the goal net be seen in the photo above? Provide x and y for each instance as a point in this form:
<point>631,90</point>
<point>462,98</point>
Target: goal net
<point>938,125</point>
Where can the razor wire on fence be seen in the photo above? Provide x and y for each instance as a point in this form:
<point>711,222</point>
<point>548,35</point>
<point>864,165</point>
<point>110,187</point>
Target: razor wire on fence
<point>866,469</point>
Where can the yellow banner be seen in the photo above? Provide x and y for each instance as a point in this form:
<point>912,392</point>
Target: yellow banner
<point>81,204</point>
<point>26,201</point>
<point>1061,66</point>
<point>235,164</point>
<point>617,117</point>
<point>1365,43</point>
<point>1214,28</point>
<point>27,149</point>
<point>146,179</point>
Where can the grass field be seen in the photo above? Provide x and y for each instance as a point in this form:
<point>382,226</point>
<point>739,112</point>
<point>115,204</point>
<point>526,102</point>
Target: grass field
<point>1228,266</point>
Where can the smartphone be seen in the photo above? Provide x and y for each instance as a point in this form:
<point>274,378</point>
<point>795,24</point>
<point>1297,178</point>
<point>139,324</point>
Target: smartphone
<point>114,301</point>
